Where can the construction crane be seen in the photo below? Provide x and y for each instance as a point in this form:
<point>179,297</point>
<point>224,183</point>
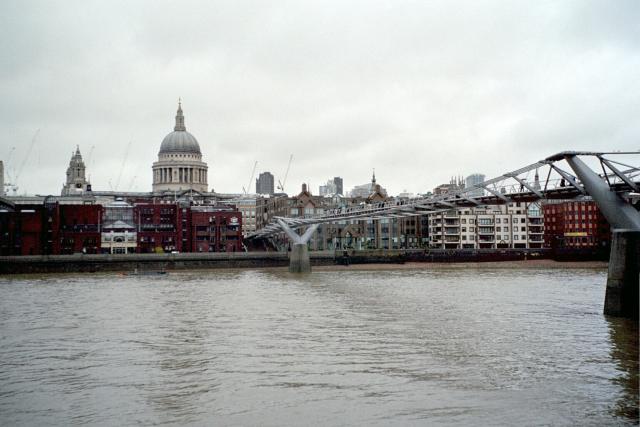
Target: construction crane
<point>133,180</point>
<point>14,185</point>
<point>90,156</point>
<point>124,162</point>
<point>286,174</point>
<point>253,172</point>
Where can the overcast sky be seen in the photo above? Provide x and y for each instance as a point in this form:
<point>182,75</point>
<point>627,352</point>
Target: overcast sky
<point>418,90</point>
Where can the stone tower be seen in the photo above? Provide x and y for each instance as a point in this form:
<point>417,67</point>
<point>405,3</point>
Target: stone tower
<point>76,176</point>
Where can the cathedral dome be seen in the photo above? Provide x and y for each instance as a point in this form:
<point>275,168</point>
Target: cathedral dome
<point>180,141</point>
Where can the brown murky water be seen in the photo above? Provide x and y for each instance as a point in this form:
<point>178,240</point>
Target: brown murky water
<point>478,346</point>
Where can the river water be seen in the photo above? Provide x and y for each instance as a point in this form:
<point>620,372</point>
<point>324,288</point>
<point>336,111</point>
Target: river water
<point>445,346</point>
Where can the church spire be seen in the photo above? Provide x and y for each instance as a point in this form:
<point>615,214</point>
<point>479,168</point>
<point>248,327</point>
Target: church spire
<point>180,118</point>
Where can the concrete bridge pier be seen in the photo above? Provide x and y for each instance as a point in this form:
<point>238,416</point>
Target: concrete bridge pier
<point>623,281</point>
<point>299,261</point>
<point>621,298</point>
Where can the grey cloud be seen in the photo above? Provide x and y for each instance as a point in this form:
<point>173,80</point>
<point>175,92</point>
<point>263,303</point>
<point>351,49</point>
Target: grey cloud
<point>419,90</point>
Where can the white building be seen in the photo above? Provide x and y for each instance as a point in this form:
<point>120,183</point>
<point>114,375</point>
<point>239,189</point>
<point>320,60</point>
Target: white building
<point>247,206</point>
<point>516,225</point>
<point>118,230</point>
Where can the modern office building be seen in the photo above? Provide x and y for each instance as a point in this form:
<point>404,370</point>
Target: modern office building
<point>265,183</point>
<point>473,180</point>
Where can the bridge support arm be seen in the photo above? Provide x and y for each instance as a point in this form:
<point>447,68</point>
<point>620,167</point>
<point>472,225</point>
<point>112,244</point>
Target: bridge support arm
<point>621,215</point>
<point>623,278</point>
<point>299,261</point>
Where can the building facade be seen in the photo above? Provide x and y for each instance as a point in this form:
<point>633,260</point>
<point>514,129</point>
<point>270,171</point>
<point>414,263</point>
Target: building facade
<point>264,183</point>
<point>179,166</point>
<point>575,224</point>
<point>473,180</point>
<point>515,225</point>
<point>67,225</point>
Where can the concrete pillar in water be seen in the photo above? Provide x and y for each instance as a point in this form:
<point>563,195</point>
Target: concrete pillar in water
<point>299,256</point>
<point>623,279</point>
<point>621,298</point>
<point>299,259</point>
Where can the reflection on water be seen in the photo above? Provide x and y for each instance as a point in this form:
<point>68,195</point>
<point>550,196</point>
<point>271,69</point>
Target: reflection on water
<point>624,337</point>
<point>480,346</point>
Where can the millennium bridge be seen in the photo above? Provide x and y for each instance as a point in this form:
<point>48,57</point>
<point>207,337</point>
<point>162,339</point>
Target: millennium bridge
<point>615,187</point>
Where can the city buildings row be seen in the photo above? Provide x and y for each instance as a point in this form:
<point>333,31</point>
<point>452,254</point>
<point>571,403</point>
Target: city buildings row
<point>119,227</point>
<point>180,214</point>
<point>136,224</point>
<point>544,224</point>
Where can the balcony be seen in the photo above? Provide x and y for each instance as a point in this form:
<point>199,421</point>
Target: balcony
<point>486,231</point>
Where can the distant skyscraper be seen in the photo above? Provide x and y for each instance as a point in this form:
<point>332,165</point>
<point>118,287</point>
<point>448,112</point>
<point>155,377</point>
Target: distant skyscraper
<point>337,181</point>
<point>333,186</point>
<point>264,183</point>
<point>475,179</point>
<point>1,178</point>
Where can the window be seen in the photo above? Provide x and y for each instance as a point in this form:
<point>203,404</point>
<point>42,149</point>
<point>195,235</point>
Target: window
<point>515,237</point>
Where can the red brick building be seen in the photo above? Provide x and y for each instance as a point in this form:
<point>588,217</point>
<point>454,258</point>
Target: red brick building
<point>575,225</point>
<point>158,227</point>
<point>53,228</point>
<point>215,229</point>
<point>79,229</point>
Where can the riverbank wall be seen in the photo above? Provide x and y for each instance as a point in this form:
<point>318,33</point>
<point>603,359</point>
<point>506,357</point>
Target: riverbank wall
<point>186,261</point>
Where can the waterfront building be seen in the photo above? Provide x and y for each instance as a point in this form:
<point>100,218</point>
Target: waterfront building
<point>79,229</point>
<point>179,166</point>
<point>67,225</point>
<point>160,227</point>
<point>264,183</point>
<point>76,182</point>
<point>215,229</point>
<point>118,229</point>
<point>473,180</point>
<point>515,225</point>
<point>575,225</point>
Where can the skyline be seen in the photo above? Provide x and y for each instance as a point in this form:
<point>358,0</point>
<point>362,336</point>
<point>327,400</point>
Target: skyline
<point>418,92</point>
